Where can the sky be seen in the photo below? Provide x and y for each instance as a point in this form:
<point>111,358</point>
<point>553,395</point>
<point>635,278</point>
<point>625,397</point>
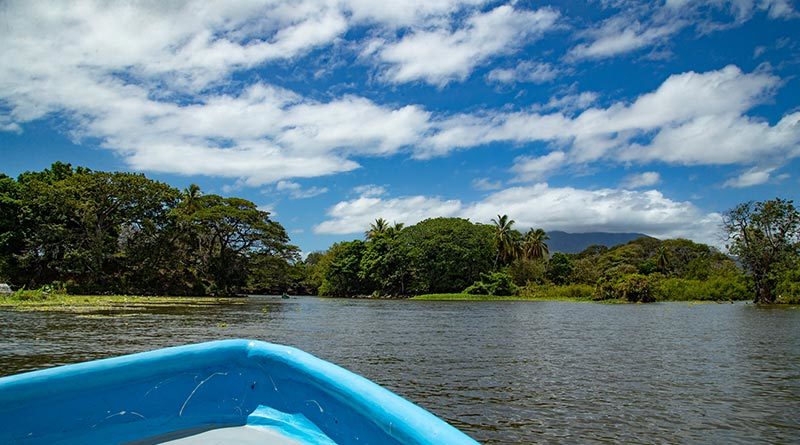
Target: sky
<point>618,116</point>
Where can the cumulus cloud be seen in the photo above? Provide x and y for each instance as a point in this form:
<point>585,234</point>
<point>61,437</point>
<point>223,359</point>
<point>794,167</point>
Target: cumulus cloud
<point>296,191</point>
<point>355,215</point>
<point>646,24</point>
<point>144,79</point>
<point>569,103</point>
<point>638,180</point>
<point>619,35</point>
<point>527,71</point>
<point>750,177</point>
<point>442,54</point>
<point>537,168</point>
<point>116,80</point>
<point>369,190</point>
<point>690,119</point>
<point>540,205</point>
<point>485,184</point>
<point>150,82</point>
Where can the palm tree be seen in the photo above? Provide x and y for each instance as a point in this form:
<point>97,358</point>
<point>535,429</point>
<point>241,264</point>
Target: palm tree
<point>395,229</point>
<point>190,197</point>
<point>534,245</point>
<point>662,260</point>
<point>379,227</point>
<point>504,238</point>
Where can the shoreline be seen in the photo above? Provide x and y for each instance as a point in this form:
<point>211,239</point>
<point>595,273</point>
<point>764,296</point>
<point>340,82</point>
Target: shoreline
<point>91,303</point>
<point>469,297</point>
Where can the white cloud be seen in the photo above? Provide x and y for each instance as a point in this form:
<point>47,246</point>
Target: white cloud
<point>690,119</point>
<point>296,191</point>
<point>527,71</point>
<point>139,78</point>
<point>369,190</point>
<point>570,103</point>
<point>442,55</point>
<point>639,180</point>
<point>146,81</point>
<point>643,24</point>
<point>485,184</point>
<point>750,177</point>
<point>355,215</point>
<point>539,205</point>
<point>537,168</point>
<point>778,9</point>
<point>618,36</point>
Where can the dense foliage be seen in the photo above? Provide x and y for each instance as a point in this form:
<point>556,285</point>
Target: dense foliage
<point>446,255</point>
<point>766,238</point>
<point>101,232</point>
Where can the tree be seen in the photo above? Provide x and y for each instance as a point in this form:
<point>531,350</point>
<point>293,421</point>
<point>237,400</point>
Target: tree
<point>534,246</point>
<point>118,232</point>
<point>662,260</point>
<point>379,227</point>
<point>10,235</point>
<point>559,268</point>
<point>342,277</point>
<point>765,236</point>
<point>446,254</point>
<point>224,234</point>
<point>504,239</point>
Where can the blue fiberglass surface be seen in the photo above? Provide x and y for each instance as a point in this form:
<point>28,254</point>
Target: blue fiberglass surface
<point>138,397</point>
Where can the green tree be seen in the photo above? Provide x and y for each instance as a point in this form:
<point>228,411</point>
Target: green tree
<point>505,241</point>
<point>223,234</point>
<point>447,254</point>
<point>559,268</point>
<point>378,228</point>
<point>662,260</point>
<point>10,235</point>
<point>766,238</point>
<point>342,274</point>
<point>534,245</point>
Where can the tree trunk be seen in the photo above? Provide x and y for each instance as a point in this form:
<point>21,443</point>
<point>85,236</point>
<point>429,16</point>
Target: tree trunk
<point>764,294</point>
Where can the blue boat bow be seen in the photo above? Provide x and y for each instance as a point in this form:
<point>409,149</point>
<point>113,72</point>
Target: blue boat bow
<point>186,391</point>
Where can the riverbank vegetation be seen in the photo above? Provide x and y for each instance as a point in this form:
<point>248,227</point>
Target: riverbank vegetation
<point>91,232</point>
<point>451,258</point>
<point>49,299</point>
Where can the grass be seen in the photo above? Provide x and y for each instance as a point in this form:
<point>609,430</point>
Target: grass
<point>41,301</point>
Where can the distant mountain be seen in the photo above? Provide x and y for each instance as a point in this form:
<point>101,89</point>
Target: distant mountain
<point>576,242</point>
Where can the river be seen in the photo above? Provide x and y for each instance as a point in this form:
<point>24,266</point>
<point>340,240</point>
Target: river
<point>503,372</point>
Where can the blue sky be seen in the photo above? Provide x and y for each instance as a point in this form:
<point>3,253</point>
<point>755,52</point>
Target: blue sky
<point>579,116</point>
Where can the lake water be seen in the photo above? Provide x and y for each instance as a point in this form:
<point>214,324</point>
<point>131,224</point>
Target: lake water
<point>504,372</point>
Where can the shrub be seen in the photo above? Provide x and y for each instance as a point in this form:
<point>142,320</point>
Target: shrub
<point>720,287</point>
<point>495,283</point>
<point>566,292</point>
<point>634,288</point>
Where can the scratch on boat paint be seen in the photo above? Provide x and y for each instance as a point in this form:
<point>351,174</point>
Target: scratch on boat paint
<point>274,386</point>
<point>121,413</point>
<point>316,403</point>
<point>180,413</point>
<point>267,372</point>
<point>158,385</point>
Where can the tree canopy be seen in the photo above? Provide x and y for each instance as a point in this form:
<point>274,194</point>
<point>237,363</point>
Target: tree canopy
<point>104,232</point>
<point>766,238</point>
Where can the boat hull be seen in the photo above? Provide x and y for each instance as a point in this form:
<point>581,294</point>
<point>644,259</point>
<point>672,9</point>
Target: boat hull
<point>166,394</point>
